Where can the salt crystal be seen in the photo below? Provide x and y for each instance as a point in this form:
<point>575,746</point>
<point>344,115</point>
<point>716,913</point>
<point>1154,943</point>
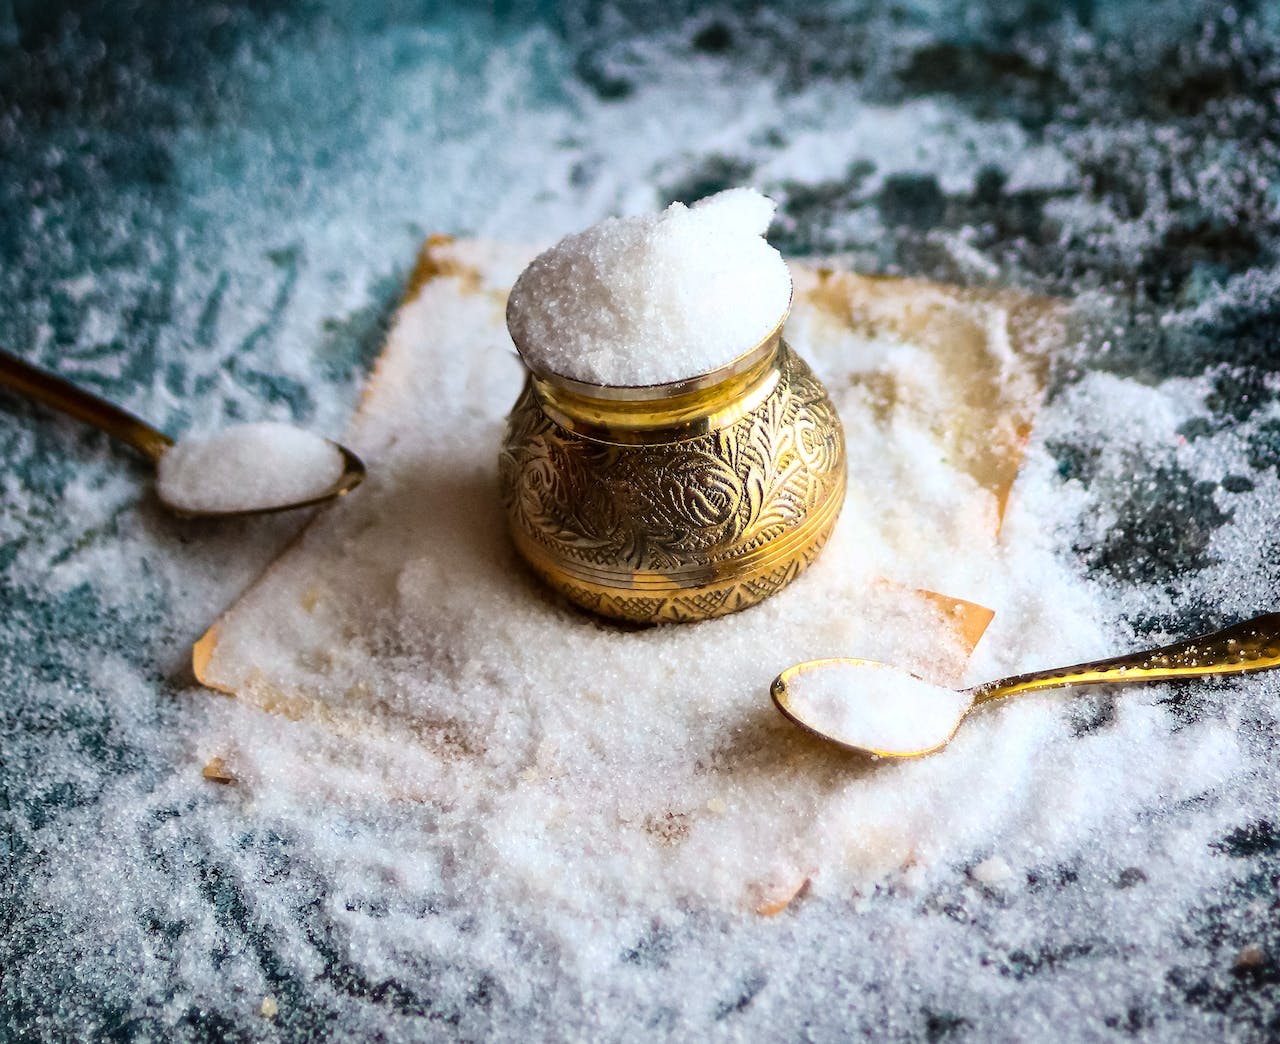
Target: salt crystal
<point>247,467</point>
<point>655,299</point>
<point>875,708</point>
<point>992,871</point>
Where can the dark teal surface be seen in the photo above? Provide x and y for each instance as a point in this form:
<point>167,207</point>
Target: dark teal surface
<point>124,265</point>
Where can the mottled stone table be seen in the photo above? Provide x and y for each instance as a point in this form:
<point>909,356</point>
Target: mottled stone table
<point>208,214</point>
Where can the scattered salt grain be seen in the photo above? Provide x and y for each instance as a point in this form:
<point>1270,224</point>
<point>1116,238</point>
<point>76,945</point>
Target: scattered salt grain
<point>992,871</point>
<point>654,299</point>
<point>875,708</point>
<point>270,1007</point>
<point>247,467</point>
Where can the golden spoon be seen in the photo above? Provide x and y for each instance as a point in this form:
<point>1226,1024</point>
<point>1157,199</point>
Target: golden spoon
<point>914,718</point>
<point>53,391</point>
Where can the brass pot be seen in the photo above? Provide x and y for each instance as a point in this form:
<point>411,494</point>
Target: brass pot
<point>675,502</point>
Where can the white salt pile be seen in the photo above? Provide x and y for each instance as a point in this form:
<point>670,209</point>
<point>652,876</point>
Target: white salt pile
<point>591,777</point>
<point>654,299</point>
<point>874,708</point>
<point>247,467</point>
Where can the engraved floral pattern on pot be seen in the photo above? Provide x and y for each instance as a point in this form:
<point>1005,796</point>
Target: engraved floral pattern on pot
<point>537,480</point>
<point>698,489</point>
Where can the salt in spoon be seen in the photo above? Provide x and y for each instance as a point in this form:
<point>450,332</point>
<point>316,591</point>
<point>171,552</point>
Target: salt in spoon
<point>810,693</point>
<point>53,391</point>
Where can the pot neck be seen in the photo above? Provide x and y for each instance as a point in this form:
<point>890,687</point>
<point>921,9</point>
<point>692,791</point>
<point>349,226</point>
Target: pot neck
<point>641,416</point>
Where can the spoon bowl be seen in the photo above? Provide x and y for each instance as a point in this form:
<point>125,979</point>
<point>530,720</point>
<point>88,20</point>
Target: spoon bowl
<point>889,713</point>
<point>52,391</point>
<point>810,695</point>
<point>353,473</point>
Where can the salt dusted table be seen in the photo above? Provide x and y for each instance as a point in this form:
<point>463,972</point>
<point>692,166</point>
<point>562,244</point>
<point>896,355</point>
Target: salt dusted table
<point>648,762</point>
<point>209,216</point>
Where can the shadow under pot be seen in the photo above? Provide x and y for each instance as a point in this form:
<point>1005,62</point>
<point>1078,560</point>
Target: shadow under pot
<point>675,502</point>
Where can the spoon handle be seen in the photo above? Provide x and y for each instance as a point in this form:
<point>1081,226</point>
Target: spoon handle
<point>1253,645</point>
<point>53,391</point>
